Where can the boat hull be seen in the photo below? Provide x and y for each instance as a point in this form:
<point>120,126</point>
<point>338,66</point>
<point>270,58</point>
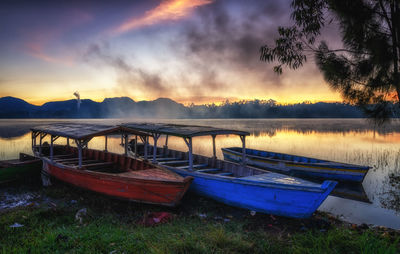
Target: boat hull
<point>283,200</point>
<point>138,190</point>
<point>326,170</point>
<point>13,170</point>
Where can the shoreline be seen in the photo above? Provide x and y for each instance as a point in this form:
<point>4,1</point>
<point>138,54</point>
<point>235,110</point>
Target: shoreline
<point>49,224</point>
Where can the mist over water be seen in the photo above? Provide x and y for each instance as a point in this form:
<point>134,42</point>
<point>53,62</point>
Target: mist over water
<point>354,141</point>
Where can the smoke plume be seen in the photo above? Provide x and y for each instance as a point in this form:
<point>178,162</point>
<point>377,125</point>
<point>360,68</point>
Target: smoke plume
<point>128,75</point>
<point>78,99</point>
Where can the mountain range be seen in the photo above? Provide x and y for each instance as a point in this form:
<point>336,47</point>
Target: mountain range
<point>123,107</point>
<point>119,107</point>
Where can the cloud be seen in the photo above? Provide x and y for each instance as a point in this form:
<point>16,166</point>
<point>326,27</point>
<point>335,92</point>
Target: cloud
<point>227,35</point>
<point>42,37</point>
<point>128,76</point>
<point>36,50</point>
<point>167,10</point>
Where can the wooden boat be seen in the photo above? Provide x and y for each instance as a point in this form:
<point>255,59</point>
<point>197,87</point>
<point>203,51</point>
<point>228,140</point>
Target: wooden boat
<point>231,183</point>
<point>25,166</point>
<point>297,165</point>
<point>108,173</point>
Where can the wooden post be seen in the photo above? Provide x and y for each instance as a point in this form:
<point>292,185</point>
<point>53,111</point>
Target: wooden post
<point>52,139</point>
<point>105,143</point>
<point>32,135</point>
<point>165,150</point>
<point>243,138</point>
<point>188,142</point>
<point>155,138</point>
<point>126,136</point>
<point>146,139</point>
<point>51,148</point>
<point>68,142</point>
<point>136,147</point>
<point>40,144</point>
<point>214,158</point>
<point>79,144</point>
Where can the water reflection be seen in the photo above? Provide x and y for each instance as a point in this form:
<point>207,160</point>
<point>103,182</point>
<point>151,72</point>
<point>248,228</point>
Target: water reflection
<point>345,140</point>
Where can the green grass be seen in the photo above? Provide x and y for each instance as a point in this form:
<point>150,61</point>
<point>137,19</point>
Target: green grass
<point>112,225</point>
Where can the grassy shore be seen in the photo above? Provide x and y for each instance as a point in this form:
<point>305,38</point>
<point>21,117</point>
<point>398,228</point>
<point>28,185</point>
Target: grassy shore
<point>199,225</point>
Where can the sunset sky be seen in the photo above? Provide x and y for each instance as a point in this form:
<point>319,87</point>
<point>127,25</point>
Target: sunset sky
<point>199,51</point>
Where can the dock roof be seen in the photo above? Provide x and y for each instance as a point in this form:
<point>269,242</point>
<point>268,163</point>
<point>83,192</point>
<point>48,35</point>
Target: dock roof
<point>185,131</point>
<point>82,130</point>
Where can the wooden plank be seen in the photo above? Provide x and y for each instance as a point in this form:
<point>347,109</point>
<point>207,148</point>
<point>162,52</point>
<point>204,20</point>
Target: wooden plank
<point>193,166</point>
<point>99,164</point>
<point>83,162</point>
<point>174,162</point>
<point>224,174</point>
<point>185,131</point>
<point>208,170</point>
<point>167,159</point>
<point>82,130</point>
<point>69,159</point>
<point>63,155</point>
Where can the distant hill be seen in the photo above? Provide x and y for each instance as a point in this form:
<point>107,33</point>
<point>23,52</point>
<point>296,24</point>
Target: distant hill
<point>121,107</point>
<point>11,107</point>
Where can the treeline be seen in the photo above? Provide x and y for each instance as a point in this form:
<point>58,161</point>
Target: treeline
<point>270,109</point>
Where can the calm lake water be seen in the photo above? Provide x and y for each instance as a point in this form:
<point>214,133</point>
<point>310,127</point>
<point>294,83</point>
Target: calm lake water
<point>354,141</point>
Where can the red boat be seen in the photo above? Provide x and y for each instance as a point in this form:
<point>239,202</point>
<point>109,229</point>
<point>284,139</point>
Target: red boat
<point>108,173</point>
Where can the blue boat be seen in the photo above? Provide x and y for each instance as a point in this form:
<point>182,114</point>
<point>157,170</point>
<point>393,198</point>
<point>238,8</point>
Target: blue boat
<point>297,165</point>
<point>231,183</point>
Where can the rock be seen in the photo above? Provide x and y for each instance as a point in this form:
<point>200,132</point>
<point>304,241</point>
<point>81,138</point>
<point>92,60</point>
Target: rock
<point>202,215</point>
<point>80,214</point>
<point>153,219</point>
<point>16,225</point>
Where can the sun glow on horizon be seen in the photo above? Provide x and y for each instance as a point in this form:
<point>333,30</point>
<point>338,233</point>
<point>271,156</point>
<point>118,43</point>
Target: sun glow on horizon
<point>40,101</point>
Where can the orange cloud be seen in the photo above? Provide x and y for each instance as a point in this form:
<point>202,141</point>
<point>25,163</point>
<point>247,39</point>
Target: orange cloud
<point>36,50</point>
<point>166,10</point>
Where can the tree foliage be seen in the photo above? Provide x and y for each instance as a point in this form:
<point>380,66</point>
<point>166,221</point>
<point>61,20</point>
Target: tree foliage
<point>366,70</point>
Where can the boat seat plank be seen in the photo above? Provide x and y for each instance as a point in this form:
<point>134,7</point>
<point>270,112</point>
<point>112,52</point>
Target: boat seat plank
<point>83,162</point>
<point>63,155</point>
<point>225,174</point>
<point>69,159</point>
<point>173,162</point>
<point>209,170</point>
<point>276,178</point>
<point>152,173</point>
<point>194,166</point>
<point>98,164</point>
<point>167,159</point>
